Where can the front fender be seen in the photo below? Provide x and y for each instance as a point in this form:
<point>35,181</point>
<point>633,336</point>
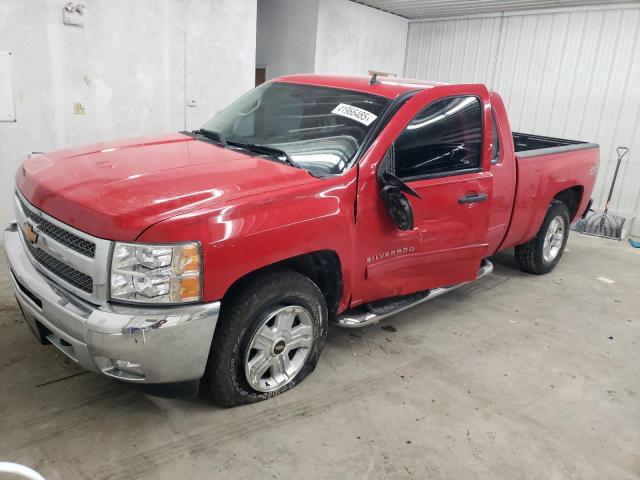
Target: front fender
<point>250,233</point>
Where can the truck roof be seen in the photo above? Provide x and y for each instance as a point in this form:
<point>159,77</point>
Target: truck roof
<point>389,87</point>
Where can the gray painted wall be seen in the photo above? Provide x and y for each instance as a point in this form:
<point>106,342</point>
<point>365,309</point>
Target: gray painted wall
<point>328,36</point>
<point>286,36</point>
<point>353,39</point>
<point>133,65</point>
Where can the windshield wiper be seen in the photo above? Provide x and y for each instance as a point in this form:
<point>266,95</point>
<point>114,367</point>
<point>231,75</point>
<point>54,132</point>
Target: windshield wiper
<point>211,135</point>
<point>266,150</point>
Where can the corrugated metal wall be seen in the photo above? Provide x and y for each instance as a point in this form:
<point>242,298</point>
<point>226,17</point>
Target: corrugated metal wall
<point>571,74</point>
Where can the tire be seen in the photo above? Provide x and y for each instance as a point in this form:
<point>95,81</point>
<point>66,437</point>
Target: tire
<point>532,256</point>
<point>246,318</point>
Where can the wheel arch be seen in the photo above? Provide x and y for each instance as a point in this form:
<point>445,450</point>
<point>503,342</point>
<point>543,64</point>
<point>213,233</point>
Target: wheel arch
<point>323,267</point>
<point>526,221</point>
<point>572,198</point>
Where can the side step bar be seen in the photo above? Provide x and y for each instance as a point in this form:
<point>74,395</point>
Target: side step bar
<point>362,319</point>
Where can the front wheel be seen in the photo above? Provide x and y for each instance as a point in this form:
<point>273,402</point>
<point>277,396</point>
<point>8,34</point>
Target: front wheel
<point>543,253</point>
<point>268,339</point>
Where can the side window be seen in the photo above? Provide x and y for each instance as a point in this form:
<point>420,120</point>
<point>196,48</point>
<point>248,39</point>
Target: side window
<point>444,137</point>
<point>495,141</point>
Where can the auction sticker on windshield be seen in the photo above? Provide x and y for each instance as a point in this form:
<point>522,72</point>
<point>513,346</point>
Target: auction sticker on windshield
<point>354,113</point>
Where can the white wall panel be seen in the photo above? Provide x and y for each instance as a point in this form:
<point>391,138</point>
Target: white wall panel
<point>430,47</point>
<point>352,39</point>
<point>571,74</point>
<point>132,66</point>
<point>329,37</point>
<point>7,103</point>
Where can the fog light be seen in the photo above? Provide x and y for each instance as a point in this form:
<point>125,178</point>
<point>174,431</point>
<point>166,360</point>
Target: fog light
<point>120,369</point>
<point>134,368</point>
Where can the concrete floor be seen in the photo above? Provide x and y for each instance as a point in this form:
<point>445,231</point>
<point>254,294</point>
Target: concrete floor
<point>516,376</point>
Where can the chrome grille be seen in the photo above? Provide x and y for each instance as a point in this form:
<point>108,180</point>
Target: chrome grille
<point>62,270</point>
<point>60,235</point>
<point>76,260</point>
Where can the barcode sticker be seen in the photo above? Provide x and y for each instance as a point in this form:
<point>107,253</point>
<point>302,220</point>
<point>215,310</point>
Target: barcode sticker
<point>354,113</point>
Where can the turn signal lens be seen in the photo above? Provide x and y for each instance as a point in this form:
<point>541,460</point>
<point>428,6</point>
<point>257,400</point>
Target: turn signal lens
<point>190,261</point>
<point>190,289</point>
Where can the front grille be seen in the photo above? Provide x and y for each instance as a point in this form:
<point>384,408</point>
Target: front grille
<point>62,270</point>
<point>60,235</point>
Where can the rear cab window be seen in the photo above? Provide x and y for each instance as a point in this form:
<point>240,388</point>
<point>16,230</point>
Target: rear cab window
<point>495,139</point>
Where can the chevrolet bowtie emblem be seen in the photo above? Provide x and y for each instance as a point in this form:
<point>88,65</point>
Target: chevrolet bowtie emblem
<point>29,233</point>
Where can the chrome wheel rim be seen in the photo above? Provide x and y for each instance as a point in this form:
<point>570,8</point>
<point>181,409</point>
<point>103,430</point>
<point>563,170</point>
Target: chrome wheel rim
<point>279,348</point>
<point>553,239</point>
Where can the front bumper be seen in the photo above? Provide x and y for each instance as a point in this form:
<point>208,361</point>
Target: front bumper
<point>136,344</point>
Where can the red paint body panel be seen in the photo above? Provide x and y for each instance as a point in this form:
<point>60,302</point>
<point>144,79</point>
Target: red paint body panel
<point>540,178</point>
<point>386,87</point>
<point>248,233</point>
<point>448,240</point>
<point>249,212</point>
<point>504,179</point>
<point>116,190</point>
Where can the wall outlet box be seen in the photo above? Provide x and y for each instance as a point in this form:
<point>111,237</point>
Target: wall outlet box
<point>72,17</point>
<point>78,108</point>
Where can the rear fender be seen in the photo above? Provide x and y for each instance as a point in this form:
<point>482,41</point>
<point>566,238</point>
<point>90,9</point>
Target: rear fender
<point>543,178</point>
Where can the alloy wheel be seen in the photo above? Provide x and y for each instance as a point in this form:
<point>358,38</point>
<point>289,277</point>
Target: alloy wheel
<point>279,348</point>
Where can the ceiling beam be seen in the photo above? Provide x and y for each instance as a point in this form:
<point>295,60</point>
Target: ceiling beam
<point>430,9</point>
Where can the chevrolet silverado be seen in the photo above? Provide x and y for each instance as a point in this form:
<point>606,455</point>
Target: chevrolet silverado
<point>217,258</point>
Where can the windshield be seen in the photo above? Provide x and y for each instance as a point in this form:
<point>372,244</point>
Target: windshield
<point>319,128</point>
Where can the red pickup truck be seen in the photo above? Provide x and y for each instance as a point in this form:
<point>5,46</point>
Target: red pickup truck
<point>217,258</point>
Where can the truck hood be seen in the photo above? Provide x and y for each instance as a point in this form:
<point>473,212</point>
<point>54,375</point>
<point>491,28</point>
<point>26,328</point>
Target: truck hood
<point>116,190</point>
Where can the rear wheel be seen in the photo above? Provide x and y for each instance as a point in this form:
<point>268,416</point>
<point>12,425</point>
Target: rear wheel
<point>544,251</point>
<point>268,339</point>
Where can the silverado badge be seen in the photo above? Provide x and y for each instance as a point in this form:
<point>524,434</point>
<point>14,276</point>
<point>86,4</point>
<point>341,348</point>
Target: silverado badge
<point>390,253</point>
<point>30,234</point>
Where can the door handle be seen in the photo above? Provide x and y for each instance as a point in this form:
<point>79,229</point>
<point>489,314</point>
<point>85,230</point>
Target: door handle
<point>480,197</point>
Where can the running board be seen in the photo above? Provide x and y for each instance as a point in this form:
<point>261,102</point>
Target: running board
<point>362,319</point>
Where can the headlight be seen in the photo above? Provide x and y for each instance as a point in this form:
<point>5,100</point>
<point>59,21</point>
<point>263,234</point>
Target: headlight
<point>156,273</point>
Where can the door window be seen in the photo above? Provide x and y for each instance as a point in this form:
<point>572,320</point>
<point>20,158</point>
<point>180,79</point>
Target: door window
<point>444,138</point>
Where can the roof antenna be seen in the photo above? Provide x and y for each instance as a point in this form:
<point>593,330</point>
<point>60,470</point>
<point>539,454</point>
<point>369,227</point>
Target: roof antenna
<point>374,79</point>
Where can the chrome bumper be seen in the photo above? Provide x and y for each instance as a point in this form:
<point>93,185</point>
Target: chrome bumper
<point>136,344</point>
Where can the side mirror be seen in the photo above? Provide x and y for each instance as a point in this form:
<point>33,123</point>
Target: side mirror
<point>393,192</point>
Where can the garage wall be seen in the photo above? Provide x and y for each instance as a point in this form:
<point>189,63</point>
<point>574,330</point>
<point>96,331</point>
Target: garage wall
<point>572,73</point>
<point>286,36</point>
<point>133,66</point>
<point>328,36</point>
<point>353,39</point>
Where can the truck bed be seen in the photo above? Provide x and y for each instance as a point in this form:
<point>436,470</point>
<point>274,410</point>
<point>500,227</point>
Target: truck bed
<point>529,145</point>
